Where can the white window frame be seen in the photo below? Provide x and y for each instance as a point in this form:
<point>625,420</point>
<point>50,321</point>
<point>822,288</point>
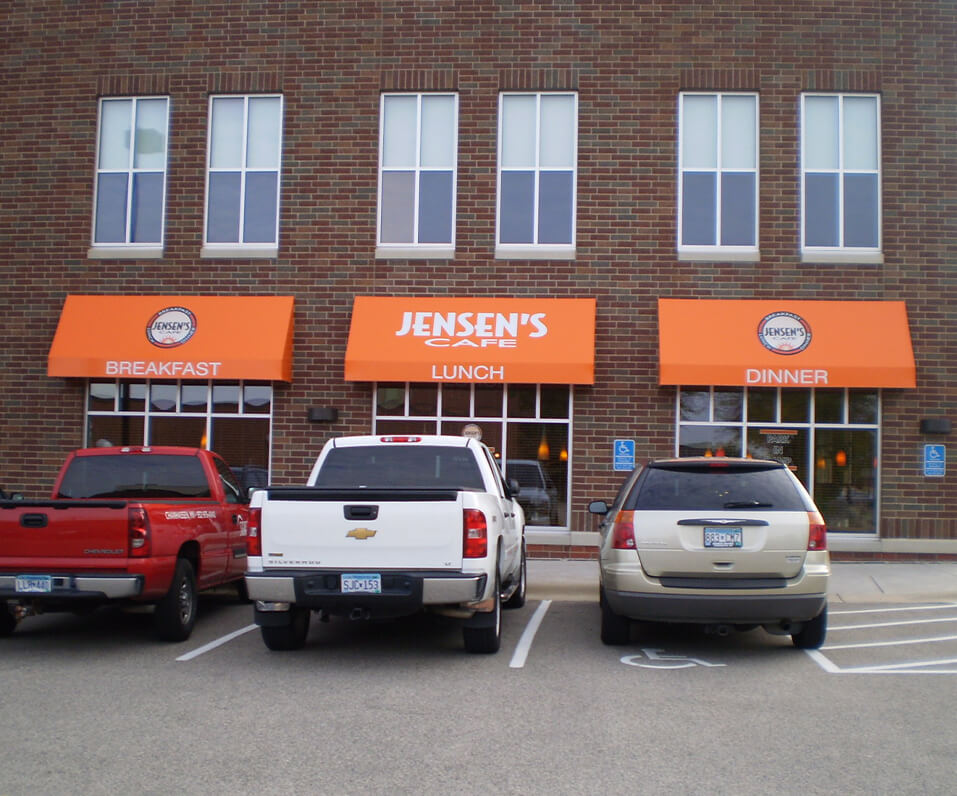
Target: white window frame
<point>841,253</point>
<point>749,253</point>
<point>535,250</point>
<point>129,248</point>
<point>240,248</point>
<point>415,248</point>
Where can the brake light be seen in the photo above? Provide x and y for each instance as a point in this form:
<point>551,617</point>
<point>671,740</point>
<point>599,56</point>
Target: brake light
<point>474,534</point>
<point>400,439</point>
<point>138,532</point>
<point>254,542</point>
<point>817,532</point>
<point>623,532</point>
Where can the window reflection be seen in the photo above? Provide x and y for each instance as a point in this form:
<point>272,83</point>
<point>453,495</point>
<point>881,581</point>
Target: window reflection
<point>226,398</point>
<point>694,403</point>
<point>710,441</point>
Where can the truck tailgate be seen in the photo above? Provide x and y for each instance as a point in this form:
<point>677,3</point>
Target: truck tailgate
<point>362,529</point>
<point>63,529</point>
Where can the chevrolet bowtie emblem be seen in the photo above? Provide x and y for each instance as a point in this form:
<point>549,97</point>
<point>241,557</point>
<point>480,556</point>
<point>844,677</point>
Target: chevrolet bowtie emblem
<point>361,533</point>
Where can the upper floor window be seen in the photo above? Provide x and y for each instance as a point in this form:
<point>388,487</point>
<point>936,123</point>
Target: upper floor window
<point>417,173</point>
<point>242,192</point>
<point>130,192</point>
<point>840,165</point>
<point>538,143</point>
<point>717,173</point>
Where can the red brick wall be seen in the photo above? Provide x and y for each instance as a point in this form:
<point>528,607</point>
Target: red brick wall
<point>331,59</point>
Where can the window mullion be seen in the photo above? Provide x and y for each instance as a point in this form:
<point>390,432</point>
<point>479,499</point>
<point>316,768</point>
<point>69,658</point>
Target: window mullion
<point>244,155</point>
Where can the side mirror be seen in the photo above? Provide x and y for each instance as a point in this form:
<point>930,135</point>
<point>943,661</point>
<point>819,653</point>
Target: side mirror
<point>598,507</point>
<point>513,487</point>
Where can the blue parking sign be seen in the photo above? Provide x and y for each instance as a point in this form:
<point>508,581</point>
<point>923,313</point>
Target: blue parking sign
<point>935,461</point>
<point>624,454</point>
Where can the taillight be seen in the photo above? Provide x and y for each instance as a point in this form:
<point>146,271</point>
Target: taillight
<point>623,532</point>
<point>474,534</point>
<point>254,542</point>
<point>817,532</point>
<point>138,533</point>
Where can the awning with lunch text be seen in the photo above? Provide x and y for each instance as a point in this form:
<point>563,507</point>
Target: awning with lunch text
<point>509,340</point>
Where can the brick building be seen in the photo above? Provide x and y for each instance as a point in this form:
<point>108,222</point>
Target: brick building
<point>589,232</point>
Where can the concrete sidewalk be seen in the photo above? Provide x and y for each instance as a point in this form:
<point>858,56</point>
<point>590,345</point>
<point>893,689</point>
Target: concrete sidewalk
<point>851,582</point>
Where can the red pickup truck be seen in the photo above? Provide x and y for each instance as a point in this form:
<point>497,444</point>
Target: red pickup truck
<point>137,524</point>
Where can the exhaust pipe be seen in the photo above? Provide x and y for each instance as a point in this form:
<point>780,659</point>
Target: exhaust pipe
<point>359,613</point>
<point>721,631</point>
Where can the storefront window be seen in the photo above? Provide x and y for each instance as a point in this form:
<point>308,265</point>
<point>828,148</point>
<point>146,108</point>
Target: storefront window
<point>844,482</point>
<point>827,437</point>
<point>526,426</point>
<point>762,405</point>
<point>180,413</point>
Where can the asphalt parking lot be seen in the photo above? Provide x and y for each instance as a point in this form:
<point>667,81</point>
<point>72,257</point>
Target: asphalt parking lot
<point>95,705</point>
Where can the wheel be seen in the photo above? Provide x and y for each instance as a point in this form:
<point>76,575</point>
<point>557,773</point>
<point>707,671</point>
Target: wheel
<point>176,613</point>
<point>517,600</point>
<point>483,632</point>
<point>615,629</point>
<point>288,637</point>
<point>242,593</point>
<point>8,622</point>
<point>811,636</point>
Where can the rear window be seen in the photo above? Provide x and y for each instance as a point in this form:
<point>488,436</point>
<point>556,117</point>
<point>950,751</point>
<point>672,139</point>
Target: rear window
<point>428,467</point>
<point>711,488</point>
<point>135,476</point>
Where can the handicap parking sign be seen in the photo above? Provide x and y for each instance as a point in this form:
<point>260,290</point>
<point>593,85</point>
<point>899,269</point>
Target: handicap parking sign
<point>624,454</point>
<point>935,461</point>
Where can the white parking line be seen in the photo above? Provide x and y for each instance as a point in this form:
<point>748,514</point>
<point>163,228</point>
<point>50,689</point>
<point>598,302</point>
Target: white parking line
<point>934,607</point>
<point>528,635</point>
<point>889,643</point>
<point>891,668</point>
<point>217,643</point>
<point>893,624</point>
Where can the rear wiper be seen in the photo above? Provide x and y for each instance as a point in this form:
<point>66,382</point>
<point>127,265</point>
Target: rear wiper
<point>747,504</point>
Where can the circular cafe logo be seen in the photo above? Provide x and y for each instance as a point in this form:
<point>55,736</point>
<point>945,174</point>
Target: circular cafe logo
<point>784,333</point>
<point>171,327</point>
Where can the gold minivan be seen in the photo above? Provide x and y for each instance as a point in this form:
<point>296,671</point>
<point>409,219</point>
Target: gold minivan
<point>727,543</point>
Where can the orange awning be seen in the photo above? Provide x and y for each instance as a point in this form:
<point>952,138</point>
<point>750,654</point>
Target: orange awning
<point>785,343</point>
<point>527,340</point>
<point>174,337</point>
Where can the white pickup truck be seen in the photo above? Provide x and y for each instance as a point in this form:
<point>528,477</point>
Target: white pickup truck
<point>388,526</point>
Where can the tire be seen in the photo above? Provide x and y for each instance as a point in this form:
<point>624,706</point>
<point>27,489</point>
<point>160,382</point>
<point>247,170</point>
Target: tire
<point>242,593</point>
<point>8,622</point>
<point>811,636</point>
<point>615,629</point>
<point>288,637</point>
<point>517,600</point>
<point>482,633</point>
<point>176,613</point>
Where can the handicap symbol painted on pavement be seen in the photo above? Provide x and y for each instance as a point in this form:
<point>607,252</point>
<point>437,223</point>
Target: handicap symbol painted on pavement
<point>659,661</point>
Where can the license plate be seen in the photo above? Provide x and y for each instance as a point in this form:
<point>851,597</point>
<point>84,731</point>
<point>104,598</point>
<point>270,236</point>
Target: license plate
<point>34,584</point>
<point>365,584</point>
<point>722,537</point>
